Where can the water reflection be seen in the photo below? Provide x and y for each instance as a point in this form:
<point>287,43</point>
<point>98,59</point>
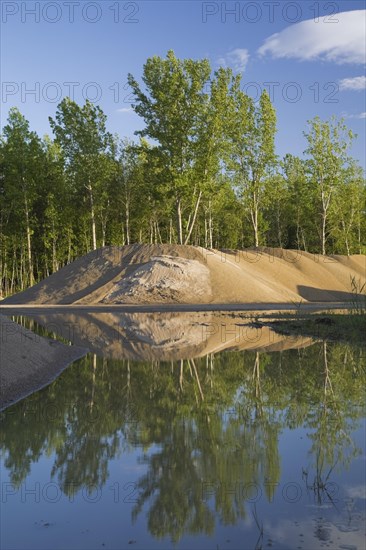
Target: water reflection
<point>161,336</point>
<point>206,430</point>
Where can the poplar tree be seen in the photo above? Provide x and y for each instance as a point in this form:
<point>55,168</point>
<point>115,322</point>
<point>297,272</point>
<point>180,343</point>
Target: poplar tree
<point>173,105</point>
<point>81,132</point>
<point>251,130</point>
<point>328,145</point>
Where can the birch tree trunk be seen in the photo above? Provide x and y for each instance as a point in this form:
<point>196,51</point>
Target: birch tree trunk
<point>193,221</point>
<point>29,241</point>
<point>127,214</point>
<point>92,215</point>
<point>179,221</point>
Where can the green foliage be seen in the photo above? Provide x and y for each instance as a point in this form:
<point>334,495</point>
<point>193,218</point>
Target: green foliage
<point>185,123</point>
<point>204,172</point>
<point>86,145</point>
<point>328,144</point>
<point>251,131</point>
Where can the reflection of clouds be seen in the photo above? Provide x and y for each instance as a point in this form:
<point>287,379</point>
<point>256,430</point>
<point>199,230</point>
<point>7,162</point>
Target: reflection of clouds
<point>248,522</point>
<point>356,491</point>
<point>316,532</point>
<point>320,506</point>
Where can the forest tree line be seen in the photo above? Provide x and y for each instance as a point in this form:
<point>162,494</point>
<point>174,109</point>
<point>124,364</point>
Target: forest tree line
<point>204,172</point>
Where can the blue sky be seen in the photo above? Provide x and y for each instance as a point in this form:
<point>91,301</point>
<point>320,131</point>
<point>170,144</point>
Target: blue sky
<point>310,56</point>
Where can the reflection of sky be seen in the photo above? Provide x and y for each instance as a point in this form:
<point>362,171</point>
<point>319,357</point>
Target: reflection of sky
<point>314,534</point>
<point>343,523</point>
<point>286,525</point>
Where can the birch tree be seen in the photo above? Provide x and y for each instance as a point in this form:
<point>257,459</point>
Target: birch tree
<point>172,106</point>
<point>22,157</point>
<point>82,134</point>
<point>251,131</point>
<point>347,216</point>
<point>328,145</point>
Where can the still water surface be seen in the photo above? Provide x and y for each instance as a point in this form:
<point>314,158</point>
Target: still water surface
<point>248,446</point>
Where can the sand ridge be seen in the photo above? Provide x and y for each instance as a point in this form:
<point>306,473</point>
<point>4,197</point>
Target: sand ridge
<point>164,274</point>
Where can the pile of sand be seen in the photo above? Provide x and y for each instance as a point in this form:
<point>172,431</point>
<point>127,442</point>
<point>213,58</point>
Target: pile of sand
<point>164,279</point>
<point>163,274</point>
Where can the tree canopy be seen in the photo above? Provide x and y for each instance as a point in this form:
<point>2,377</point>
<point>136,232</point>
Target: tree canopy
<point>203,170</point>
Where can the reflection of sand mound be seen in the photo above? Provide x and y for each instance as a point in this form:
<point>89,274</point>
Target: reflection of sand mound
<point>29,362</point>
<point>163,279</point>
<point>163,336</point>
<point>149,274</point>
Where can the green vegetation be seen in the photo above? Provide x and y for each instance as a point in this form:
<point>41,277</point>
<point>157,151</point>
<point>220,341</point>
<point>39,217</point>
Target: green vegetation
<point>347,326</point>
<point>359,297</point>
<point>341,327</point>
<point>204,172</point>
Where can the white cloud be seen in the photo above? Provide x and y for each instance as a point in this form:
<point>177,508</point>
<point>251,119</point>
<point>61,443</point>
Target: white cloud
<point>358,491</point>
<point>355,83</point>
<point>125,110</point>
<point>359,115</point>
<point>236,59</point>
<point>340,39</point>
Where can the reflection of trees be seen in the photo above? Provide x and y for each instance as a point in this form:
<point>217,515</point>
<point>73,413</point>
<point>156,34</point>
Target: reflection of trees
<point>173,485</point>
<point>337,405</point>
<point>215,422</point>
<point>211,454</point>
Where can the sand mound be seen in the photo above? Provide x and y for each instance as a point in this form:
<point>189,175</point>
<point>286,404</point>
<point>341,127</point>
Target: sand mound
<point>163,279</point>
<point>89,278</point>
<point>156,274</point>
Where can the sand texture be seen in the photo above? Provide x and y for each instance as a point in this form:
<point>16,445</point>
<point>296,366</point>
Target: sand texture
<point>177,274</point>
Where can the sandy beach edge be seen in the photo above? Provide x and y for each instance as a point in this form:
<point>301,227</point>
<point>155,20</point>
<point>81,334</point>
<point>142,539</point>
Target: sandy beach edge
<point>30,362</point>
<point>16,309</point>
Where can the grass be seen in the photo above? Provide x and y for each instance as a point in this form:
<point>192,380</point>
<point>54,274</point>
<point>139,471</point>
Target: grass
<point>343,326</point>
<point>359,297</point>
<point>339,327</point>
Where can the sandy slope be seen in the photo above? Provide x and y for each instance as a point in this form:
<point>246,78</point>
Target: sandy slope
<point>29,362</point>
<point>163,274</point>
